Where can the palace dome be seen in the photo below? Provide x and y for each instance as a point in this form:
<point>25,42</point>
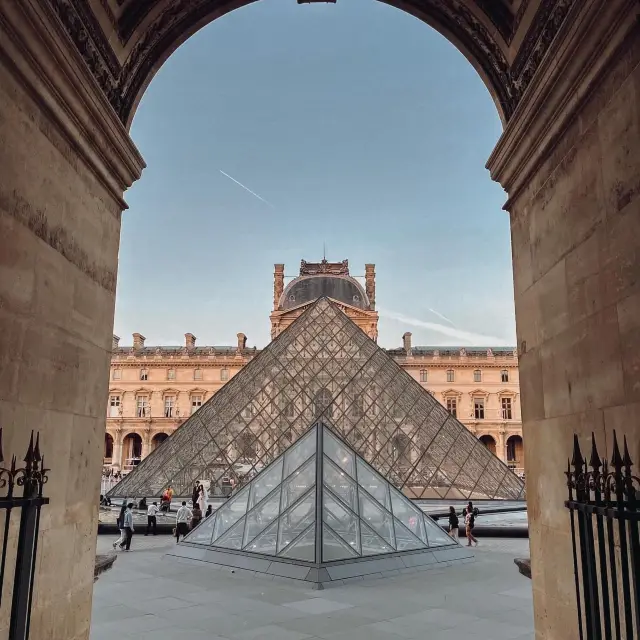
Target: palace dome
<point>342,288</point>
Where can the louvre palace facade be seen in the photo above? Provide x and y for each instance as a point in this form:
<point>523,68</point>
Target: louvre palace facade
<point>154,389</point>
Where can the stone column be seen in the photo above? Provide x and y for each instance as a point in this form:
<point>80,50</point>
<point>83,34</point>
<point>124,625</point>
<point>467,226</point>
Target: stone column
<point>570,162</point>
<point>65,162</point>
<point>117,450</point>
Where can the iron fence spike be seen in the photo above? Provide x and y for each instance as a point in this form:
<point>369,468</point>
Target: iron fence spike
<point>626,459</point>
<point>1,452</point>
<point>29,457</point>
<point>577,461</point>
<point>36,451</point>
<point>616,458</point>
<point>594,461</point>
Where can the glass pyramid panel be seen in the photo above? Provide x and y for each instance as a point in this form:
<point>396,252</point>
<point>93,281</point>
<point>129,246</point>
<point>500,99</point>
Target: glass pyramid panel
<point>340,454</point>
<point>377,518</point>
<point>268,481</point>
<point>261,516</point>
<point>408,514</point>
<point>304,548</point>
<point>203,534</point>
<point>372,543</point>
<point>323,367</point>
<point>405,540</point>
<point>298,483</point>
<point>340,484</point>
<point>374,484</point>
<point>334,548</point>
<point>231,539</point>
<point>436,537</point>
<point>230,512</point>
<point>266,542</point>
<point>293,522</point>
<point>343,522</point>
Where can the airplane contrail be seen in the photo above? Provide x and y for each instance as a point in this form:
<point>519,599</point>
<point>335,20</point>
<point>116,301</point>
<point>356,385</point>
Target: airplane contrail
<point>253,193</point>
<point>469,336</point>
<point>441,316</point>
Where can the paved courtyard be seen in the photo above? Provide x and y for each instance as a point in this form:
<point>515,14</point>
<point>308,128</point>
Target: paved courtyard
<point>149,596</point>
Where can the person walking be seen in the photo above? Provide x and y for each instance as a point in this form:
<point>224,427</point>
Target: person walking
<point>196,516</point>
<point>183,517</point>
<point>128,527</point>
<point>454,523</point>
<point>152,521</point>
<point>469,522</point>
<point>120,525</point>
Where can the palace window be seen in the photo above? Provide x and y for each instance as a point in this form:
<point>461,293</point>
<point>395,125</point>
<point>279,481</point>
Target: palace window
<point>289,410</point>
<point>451,376</point>
<point>357,408</point>
<point>117,374</point>
<point>196,403</point>
<point>423,375</point>
<point>224,374</point>
<point>142,406</point>
<point>197,374</point>
<point>144,374</point>
<point>114,406</point>
<point>477,375</point>
<point>504,375</point>
<point>452,406</point>
<point>478,408</point>
<point>169,406</point>
<point>171,374</point>
<point>507,412</point>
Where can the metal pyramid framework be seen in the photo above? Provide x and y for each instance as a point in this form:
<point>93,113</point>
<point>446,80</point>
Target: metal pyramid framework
<point>319,513</point>
<point>324,367</point>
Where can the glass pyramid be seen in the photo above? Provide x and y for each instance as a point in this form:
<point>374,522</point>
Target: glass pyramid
<point>325,367</point>
<point>319,502</point>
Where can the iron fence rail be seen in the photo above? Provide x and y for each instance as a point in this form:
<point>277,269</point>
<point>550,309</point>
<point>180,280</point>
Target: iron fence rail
<point>31,479</point>
<point>604,509</point>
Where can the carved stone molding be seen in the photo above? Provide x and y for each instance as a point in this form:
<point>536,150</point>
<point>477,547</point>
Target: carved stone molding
<point>122,83</point>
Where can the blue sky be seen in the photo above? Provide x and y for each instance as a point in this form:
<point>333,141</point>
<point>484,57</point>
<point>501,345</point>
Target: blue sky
<point>364,130</point>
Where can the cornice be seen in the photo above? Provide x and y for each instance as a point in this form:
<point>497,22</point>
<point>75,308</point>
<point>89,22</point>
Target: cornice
<point>575,54</point>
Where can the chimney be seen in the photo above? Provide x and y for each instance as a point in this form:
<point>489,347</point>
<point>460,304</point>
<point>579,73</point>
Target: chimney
<point>242,341</point>
<point>370,283</point>
<point>190,341</point>
<point>278,284</point>
<point>115,343</point>
<point>406,340</point>
<point>138,341</point>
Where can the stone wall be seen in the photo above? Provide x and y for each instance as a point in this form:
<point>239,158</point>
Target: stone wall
<point>576,255</point>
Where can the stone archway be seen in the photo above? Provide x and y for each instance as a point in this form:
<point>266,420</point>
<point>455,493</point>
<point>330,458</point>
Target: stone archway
<point>564,75</point>
<point>157,440</point>
<point>131,451</point>
<point>108,448</point>
<point>489,442</point>
<point>515,452</point>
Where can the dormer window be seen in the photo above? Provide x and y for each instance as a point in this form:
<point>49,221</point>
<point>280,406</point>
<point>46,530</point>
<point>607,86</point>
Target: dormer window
<point>356,298</point>
<point>292,298</point>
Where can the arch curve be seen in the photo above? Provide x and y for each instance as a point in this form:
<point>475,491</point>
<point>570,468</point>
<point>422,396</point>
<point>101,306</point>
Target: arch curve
<point>151,32</point>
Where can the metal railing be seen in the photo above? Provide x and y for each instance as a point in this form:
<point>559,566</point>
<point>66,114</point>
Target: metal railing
<point>604,515</point>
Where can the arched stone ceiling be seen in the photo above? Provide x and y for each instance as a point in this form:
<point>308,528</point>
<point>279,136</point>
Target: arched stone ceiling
<point>125,42</point>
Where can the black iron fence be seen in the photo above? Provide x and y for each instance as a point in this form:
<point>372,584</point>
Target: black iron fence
<point>604,503</point>
<point>28,480</point>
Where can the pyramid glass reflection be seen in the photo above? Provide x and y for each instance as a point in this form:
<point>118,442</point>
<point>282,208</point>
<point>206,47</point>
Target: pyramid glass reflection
<point>320,505</point>
<point>324,367</point>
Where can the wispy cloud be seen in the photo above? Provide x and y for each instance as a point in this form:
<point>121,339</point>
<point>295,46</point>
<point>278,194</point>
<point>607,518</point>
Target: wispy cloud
<point>470,337</point>
<point>437,313</point>
<point>253,193</point>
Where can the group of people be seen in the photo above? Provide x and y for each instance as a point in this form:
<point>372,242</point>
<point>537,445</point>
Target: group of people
<point>469,513</point>
<point>186,518</point>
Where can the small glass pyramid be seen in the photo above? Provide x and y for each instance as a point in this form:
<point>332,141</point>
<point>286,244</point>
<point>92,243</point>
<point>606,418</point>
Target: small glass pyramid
<point>324,367</point>
<point>319,502</point>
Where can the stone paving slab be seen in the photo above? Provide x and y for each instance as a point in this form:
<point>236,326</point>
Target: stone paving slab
<point>148,595</point>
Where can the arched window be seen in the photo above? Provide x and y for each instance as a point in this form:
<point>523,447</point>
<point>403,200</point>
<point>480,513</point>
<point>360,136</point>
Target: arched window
<point>132,450</point>
<point>489,442</point>
<point>247,446</point>
<point>322,403</point>
<point>157,440</point>
<point>108,446</point>
<point>401,450</point>
<point>515,451</point>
